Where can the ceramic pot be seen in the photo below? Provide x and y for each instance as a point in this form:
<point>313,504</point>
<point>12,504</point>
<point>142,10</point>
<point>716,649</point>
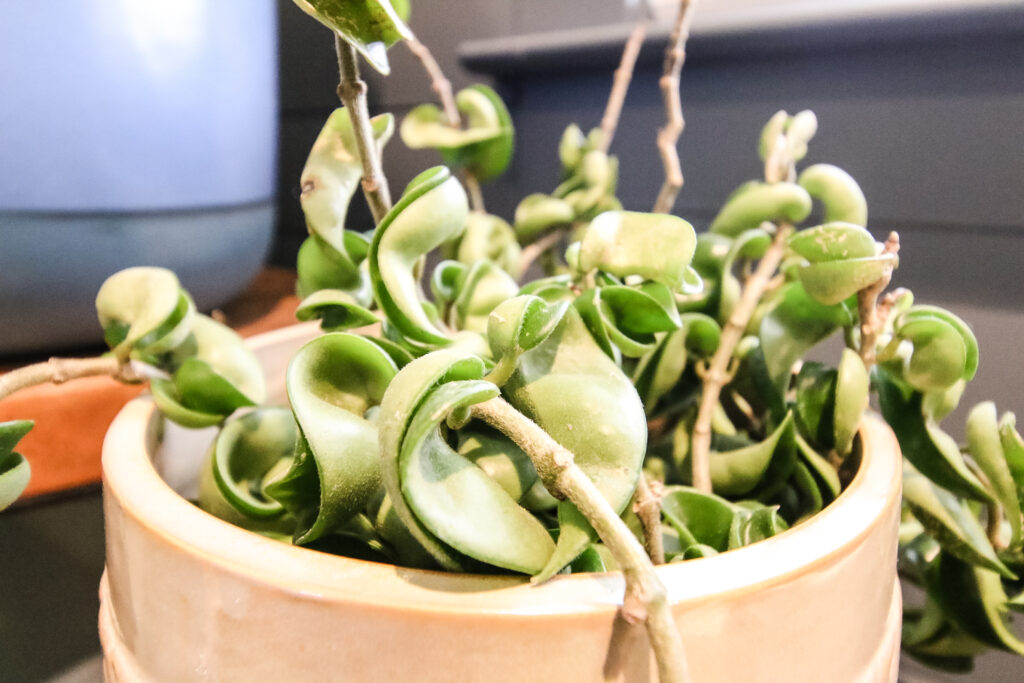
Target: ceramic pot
<point>189,597</point>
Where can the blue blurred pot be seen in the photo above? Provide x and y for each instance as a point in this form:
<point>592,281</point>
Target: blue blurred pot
<point>132,132</point>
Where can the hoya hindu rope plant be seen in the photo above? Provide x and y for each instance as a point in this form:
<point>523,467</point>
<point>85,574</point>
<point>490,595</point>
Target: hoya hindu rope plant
<point>645,400</point>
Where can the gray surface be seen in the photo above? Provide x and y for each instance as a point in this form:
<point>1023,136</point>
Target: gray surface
<point>52,265</point>
<point>51,559</point>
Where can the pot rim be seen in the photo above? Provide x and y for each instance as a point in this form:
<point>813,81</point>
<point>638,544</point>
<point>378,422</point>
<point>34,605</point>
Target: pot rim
<point>132,482</point>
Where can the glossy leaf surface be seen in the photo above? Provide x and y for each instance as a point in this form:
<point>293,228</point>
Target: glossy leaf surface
<point>370,26</point>
<point>144,309</point>
<point>839,193</point>
<point>656,247</point>
<point>754,203</point>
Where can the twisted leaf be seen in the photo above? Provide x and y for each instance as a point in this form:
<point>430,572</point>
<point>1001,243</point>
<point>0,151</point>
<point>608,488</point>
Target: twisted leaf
<point>762,466</point>
<point>336,310</point>
<point>985,447</point>
<point>755,203</point>
<point>537,214</point>
<point>333,382</point>
<point>143,310</point>
<point>370,26</point>
<point>838,192</point>
<point>657,247</point>
<point>942,348</point>
<point>489,237</point>
<point>579,396</point>
<point>431,212</point>
<point>483,147</point>
<point>321,266</point>
<point>14,468</point>
<point>247,455</point>
<point>624,320</point>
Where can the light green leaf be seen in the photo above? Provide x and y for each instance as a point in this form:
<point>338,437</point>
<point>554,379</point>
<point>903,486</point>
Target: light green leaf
<point>985,447</point>
<point>838,192</point>
<point>755,203</point>
<point>656,247</point>
<point>370,26</point>
<point>336,310</point>
<point>14,468</point>
<point>761,466</point>
<point>835,241</point>
<point>143,309</point>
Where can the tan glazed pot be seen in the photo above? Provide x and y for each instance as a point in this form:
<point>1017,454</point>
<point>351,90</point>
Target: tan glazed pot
<point>189,597</point>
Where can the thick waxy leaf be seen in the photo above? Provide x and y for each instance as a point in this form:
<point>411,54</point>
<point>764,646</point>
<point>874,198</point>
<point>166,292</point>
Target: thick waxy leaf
<point>14,468</point>
<point>832,282</point>
<point>624,319</point>
<point>536,214</point>
<point>763,466</point>
<point>660,369</point>
<point>944,350</point>
<point>833,242</point>
<point>950,521</point>
<point>432,211</point>
<point>478,291</point>
<point>754,203</point>
<point>499,458</point>
<point>403,397</point>
<point>217,375</point>
<point>933,452</point>
<point>516,326</point>
<point>370,26</point>
<point>852,389</point>
<point>816,402</point>
<point>794,325</point>
<point>824,473</point>
<point>755,524</point>
<point>1013,448</point>
<point>483,146</point>
<point>456,500</point>
<point>581,398</point>
<point>246,455</point>
<point>336,310</point>
<point>973,598</point>
<point>838,192</point>
<point>332,174</point>
<point>332,382</point>
<point>402,543</point>
<point>489,237</point>
<point>698,517</point>
<point>143,309</point>
<point>986,449</point>
<point>320,266</point>
<point>656,247</point>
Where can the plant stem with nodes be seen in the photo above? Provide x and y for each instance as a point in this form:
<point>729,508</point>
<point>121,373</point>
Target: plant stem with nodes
<point>873,314</point>
<point>60,370</point>
<point>620,84</point>
<point>718,372</point>
<point>440,84</point>
<point>647,506</point>
<point>668,136</point>
<point>352,93</point>
<point>645,599</point>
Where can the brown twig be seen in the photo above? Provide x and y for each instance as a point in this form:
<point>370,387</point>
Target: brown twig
<point>872,314</point>
<point>717,374</point>
<point>60,370</point>
<point>532,251</point>
<point>645,598</point>
<point>620,84</point>
<point>647,506</point>
<point>352,93</point>
<point>668,136</point>
<point>438,82</point>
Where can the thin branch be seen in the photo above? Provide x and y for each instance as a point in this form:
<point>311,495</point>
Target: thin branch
<point>647,506</point>
<point>717,374</point>
<point>440,84</point>
<point>476,195</point>
<point>668,136</point>
<point>620,84</point>
<point>872,314</point>
<point>352,93</point>
<point>532,251</point>
<point>645,599</point>
<point>60,370</point>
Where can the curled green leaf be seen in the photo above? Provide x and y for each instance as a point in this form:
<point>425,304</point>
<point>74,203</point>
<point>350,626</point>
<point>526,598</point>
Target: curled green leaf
<point>336,310</point>
<point>333,383</point>
<point>759,467</point>
<point>489,237</point>
<point>832,282</point>
<point>143,309</point>
<point>838,192</point>
<point>657,247</point>
<point>986,449</point>
<point>370,26</point>
<point>755,203</point>
<point>537,214</point>
<point>14,468</point>
<point>249,453</point>
<point>432,211</point>
<point>833,241</point>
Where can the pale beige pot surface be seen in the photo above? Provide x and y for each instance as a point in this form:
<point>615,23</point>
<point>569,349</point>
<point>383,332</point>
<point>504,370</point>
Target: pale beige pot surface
<point>189,597</point>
